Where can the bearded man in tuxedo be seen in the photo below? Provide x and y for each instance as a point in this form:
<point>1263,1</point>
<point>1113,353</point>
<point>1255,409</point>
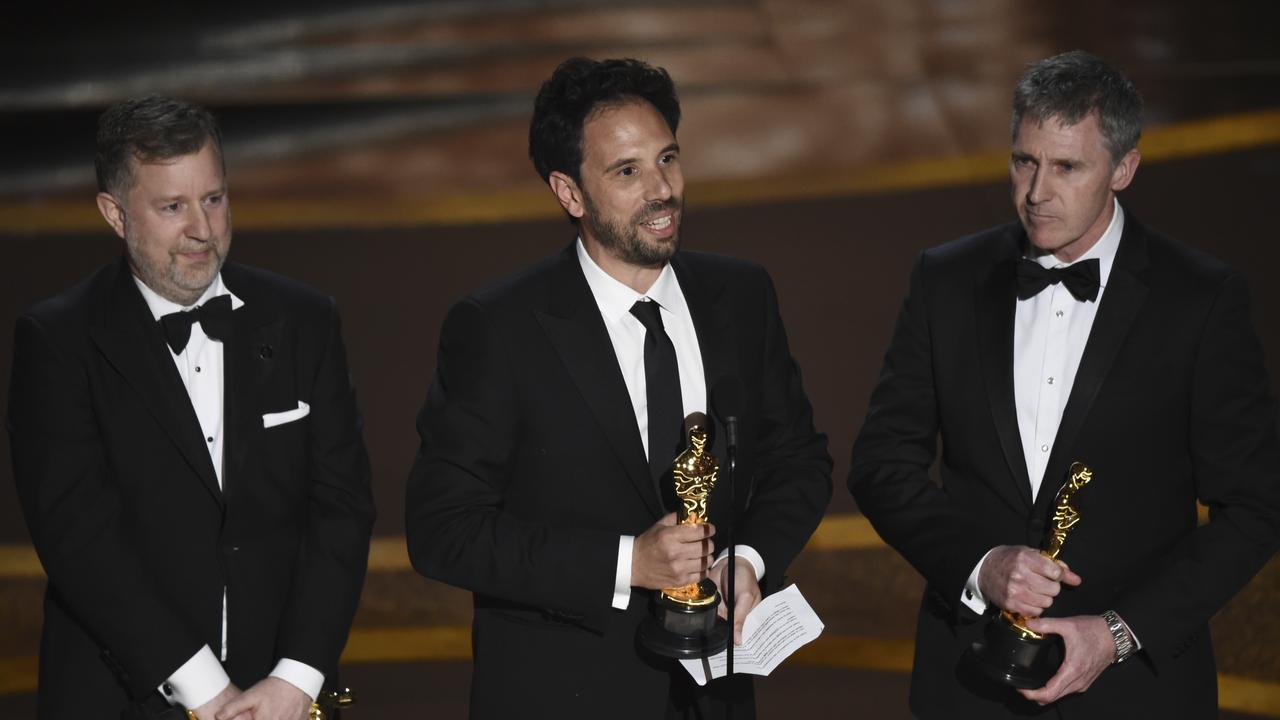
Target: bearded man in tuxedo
<point>188,454</point>
<point>543,483</point>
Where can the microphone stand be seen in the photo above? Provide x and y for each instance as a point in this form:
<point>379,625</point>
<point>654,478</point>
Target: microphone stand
<point>731,428</point>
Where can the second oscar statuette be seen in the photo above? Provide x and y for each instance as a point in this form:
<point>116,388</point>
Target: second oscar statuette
<point>1009,652</point>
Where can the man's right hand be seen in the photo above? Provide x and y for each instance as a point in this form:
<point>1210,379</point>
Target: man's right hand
<point>671,555</point>
<point>208,710</point>
<point>1021,580</point>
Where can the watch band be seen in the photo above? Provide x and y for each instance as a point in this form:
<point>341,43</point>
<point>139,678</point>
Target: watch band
<point>1120,634</point>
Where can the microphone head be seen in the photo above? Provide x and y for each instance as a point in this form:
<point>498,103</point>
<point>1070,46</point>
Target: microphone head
<point>726,398</point>
<point>696,419</point>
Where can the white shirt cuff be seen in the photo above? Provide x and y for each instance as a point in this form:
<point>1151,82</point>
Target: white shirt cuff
<point>198,681</point>
<point>748,553</point>
<point>622,576</point>
<point>300,675</point>
<point>972,595</point>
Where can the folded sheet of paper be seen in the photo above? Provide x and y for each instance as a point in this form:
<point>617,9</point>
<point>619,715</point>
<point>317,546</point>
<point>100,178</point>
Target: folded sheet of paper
<point>781,624</point>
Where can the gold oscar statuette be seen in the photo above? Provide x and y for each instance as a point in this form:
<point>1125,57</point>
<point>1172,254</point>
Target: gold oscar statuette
<point>684,623</point>
<point>1010,652</point>
<point>1065,517</point>
<point>695,473</point>
<point>329,701</point>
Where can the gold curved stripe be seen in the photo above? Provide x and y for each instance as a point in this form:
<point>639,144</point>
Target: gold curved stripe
<point>19,561</point>
<point>408,644</point>
<point>453,643</point>
<point>1180,140</point>
<point>387,553</point>
<point>857,653</point>
<point>844,531</point>
<point>18,675</point>
<point>1248,695</point>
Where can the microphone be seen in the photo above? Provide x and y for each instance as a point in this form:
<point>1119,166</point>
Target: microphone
<point>726,400</point>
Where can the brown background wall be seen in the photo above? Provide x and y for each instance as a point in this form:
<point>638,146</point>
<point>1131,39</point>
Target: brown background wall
<point>840,265</point>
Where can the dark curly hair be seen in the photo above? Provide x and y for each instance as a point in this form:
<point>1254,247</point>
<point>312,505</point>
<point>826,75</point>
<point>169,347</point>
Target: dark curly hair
<point>1069,86</point>
<point>149,129</point>
<point>576,89</point>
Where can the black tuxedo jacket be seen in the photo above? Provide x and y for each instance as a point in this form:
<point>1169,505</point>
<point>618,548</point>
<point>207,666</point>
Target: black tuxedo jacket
<point>125,511</point>
<point>1170,405</point>
<point>531,466</point>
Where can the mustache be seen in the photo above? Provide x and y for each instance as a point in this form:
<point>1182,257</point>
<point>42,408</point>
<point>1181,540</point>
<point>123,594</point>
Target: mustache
<point>659,206</point>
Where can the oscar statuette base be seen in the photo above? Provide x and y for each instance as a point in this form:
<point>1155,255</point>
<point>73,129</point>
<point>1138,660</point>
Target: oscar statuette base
<point>683,630</point>
<point>1013,657</point>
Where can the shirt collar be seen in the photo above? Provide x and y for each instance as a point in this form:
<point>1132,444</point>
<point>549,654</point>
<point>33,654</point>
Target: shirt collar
<point>615,298</point>
<point>1104,251</point>
<point>160,306</point>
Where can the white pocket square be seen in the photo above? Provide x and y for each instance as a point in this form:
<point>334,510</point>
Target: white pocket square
<point>270,420</point>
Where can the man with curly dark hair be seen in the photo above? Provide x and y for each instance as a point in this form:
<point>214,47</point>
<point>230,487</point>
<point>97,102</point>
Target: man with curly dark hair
<point>559,404</point>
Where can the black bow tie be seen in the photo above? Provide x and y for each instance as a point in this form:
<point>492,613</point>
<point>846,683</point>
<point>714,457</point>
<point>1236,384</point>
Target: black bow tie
<point>214,318</point>
<point>1080,279</point>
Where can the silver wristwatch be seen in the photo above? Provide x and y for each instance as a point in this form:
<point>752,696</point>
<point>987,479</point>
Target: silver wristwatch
<point>1119,633</point>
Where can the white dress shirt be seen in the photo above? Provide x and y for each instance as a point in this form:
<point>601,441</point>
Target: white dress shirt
<point>199,365</point>
<point>1050,331</point>
<point>627,335</point>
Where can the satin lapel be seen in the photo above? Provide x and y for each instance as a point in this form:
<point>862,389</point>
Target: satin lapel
<point>713,321</point>
<point>1121,301</point>
<point>573,324</point>
<point>995,304</point>
<point>249,358</point>
<point>710,307</point>
<point>132,343</point>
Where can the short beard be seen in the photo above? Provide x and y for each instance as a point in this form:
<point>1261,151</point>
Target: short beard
<point>170,282</point>
<point>625,242</point>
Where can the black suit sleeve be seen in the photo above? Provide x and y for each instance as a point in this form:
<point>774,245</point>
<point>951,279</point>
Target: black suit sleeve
<point>457,527</point>
<point>330,567</point>
<point>77,518</point>
<point>889,475</point>
<point>1236,458</point>
<point>792,478</point>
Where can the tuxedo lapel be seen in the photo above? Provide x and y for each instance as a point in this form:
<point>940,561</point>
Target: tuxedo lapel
<point>573,324</point>
<point>249,366</point>
<point>710,308</point>
<point>712,321</point>
<point>1124,296</point>
<point>995,304</point>
<point>132,343</point>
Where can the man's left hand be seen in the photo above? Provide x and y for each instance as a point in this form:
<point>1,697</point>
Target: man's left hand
<point>1090,648</point>
<point>269,699</point>
<point>746,592</point>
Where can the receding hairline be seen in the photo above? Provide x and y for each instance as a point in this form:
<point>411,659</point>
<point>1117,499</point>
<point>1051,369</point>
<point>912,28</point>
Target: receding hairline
<point>136,158</point>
